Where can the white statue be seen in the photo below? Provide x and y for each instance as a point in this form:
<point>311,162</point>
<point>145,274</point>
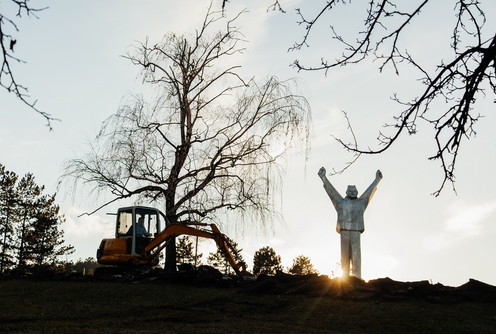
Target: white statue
<point>350,220</point>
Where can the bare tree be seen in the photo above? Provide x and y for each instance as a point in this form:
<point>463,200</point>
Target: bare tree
<point>204,146</point>
<point>468,76</point>
<point>8,28</point>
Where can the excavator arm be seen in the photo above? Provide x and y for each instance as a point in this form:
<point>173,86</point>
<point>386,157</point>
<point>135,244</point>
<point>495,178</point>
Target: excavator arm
<point>160,241</point>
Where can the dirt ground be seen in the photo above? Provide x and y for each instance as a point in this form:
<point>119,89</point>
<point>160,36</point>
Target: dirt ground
<point>89,306</point>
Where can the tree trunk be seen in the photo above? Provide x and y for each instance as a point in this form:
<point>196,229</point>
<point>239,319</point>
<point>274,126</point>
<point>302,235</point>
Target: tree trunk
<point>21,260</point>
<point>170,256</point>
<point>170,249</point>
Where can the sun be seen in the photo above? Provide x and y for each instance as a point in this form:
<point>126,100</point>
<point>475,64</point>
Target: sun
<point>337,273</point>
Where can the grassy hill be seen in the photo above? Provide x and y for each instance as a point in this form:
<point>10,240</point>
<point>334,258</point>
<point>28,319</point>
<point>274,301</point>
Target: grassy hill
<point>30,306</point>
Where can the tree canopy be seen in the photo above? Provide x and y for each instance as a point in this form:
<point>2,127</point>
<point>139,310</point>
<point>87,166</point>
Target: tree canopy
<point>266,261</point>
<point>30,224</point>
<point>302,266</point>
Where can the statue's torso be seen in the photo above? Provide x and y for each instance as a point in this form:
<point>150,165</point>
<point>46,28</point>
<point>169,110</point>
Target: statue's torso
<point>350,214</point>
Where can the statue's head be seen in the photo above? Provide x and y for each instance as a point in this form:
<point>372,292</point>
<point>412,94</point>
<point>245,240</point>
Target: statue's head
<point>352,192</point>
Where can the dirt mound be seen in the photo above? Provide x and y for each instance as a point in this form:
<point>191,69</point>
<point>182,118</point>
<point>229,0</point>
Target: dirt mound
<point>383,288</point>
<point>310,285</point>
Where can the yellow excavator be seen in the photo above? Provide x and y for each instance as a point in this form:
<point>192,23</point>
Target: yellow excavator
<point>140,237</point>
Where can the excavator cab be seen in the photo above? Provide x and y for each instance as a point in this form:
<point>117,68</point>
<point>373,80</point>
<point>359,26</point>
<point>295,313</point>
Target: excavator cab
<point>136,227</point>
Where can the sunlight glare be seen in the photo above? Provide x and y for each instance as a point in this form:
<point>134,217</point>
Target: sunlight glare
<point>337,273</point>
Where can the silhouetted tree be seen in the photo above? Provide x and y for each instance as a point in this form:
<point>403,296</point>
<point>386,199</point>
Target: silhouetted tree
<point>8,198</point>
<point>186,252</point>
<point>30,223</point>
<point>302,266</point>
<point>218,259</point>
<point>266,261</point>
<point>44,237</point>
<point>468,75</point>
<point>202,148</point>
<point>12,11</point>
<point>27,205</point>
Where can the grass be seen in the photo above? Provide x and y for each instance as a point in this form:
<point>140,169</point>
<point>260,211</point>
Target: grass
<point>106,307</point>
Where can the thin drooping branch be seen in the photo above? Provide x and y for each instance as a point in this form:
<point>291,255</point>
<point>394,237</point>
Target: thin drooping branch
<point>8,80</point>
<point>458,83</point>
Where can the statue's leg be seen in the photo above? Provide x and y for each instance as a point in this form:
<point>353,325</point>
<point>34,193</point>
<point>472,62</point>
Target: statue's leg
<point>356,254</point>
<point>345,252</point>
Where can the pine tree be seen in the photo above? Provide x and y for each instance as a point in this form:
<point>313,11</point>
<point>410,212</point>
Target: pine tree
<point>29,223</point>
<point>44,238</point>
<point>219,261</point>
<point>184,251</point>
<point>266,261</point>
<point>302,266</point>
<point>8,198</point>
<point>28,193</point>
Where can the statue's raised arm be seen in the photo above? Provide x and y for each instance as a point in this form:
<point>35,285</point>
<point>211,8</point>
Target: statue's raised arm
<point>367,194</point>
<point>329,188</point>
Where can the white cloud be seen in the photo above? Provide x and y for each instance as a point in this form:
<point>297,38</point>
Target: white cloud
<point>466,220</point>
<point>87,226</point>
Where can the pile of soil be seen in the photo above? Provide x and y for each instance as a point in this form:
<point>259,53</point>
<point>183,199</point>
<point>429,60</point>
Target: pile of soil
<point>317,285</point>
<point>382,288</point>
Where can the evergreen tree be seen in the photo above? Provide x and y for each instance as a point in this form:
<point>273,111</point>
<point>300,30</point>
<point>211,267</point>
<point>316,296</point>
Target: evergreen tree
<point>266,261</point>
<point>185,253</point>
<point>8,199</point>
<point>29,223</point>
<point>44,238</point>
<point>302,266</point>
<point>218,259</point>
<point>28,193</point>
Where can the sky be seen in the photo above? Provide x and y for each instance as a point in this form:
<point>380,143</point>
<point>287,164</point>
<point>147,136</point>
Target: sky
<point>75,69</point>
